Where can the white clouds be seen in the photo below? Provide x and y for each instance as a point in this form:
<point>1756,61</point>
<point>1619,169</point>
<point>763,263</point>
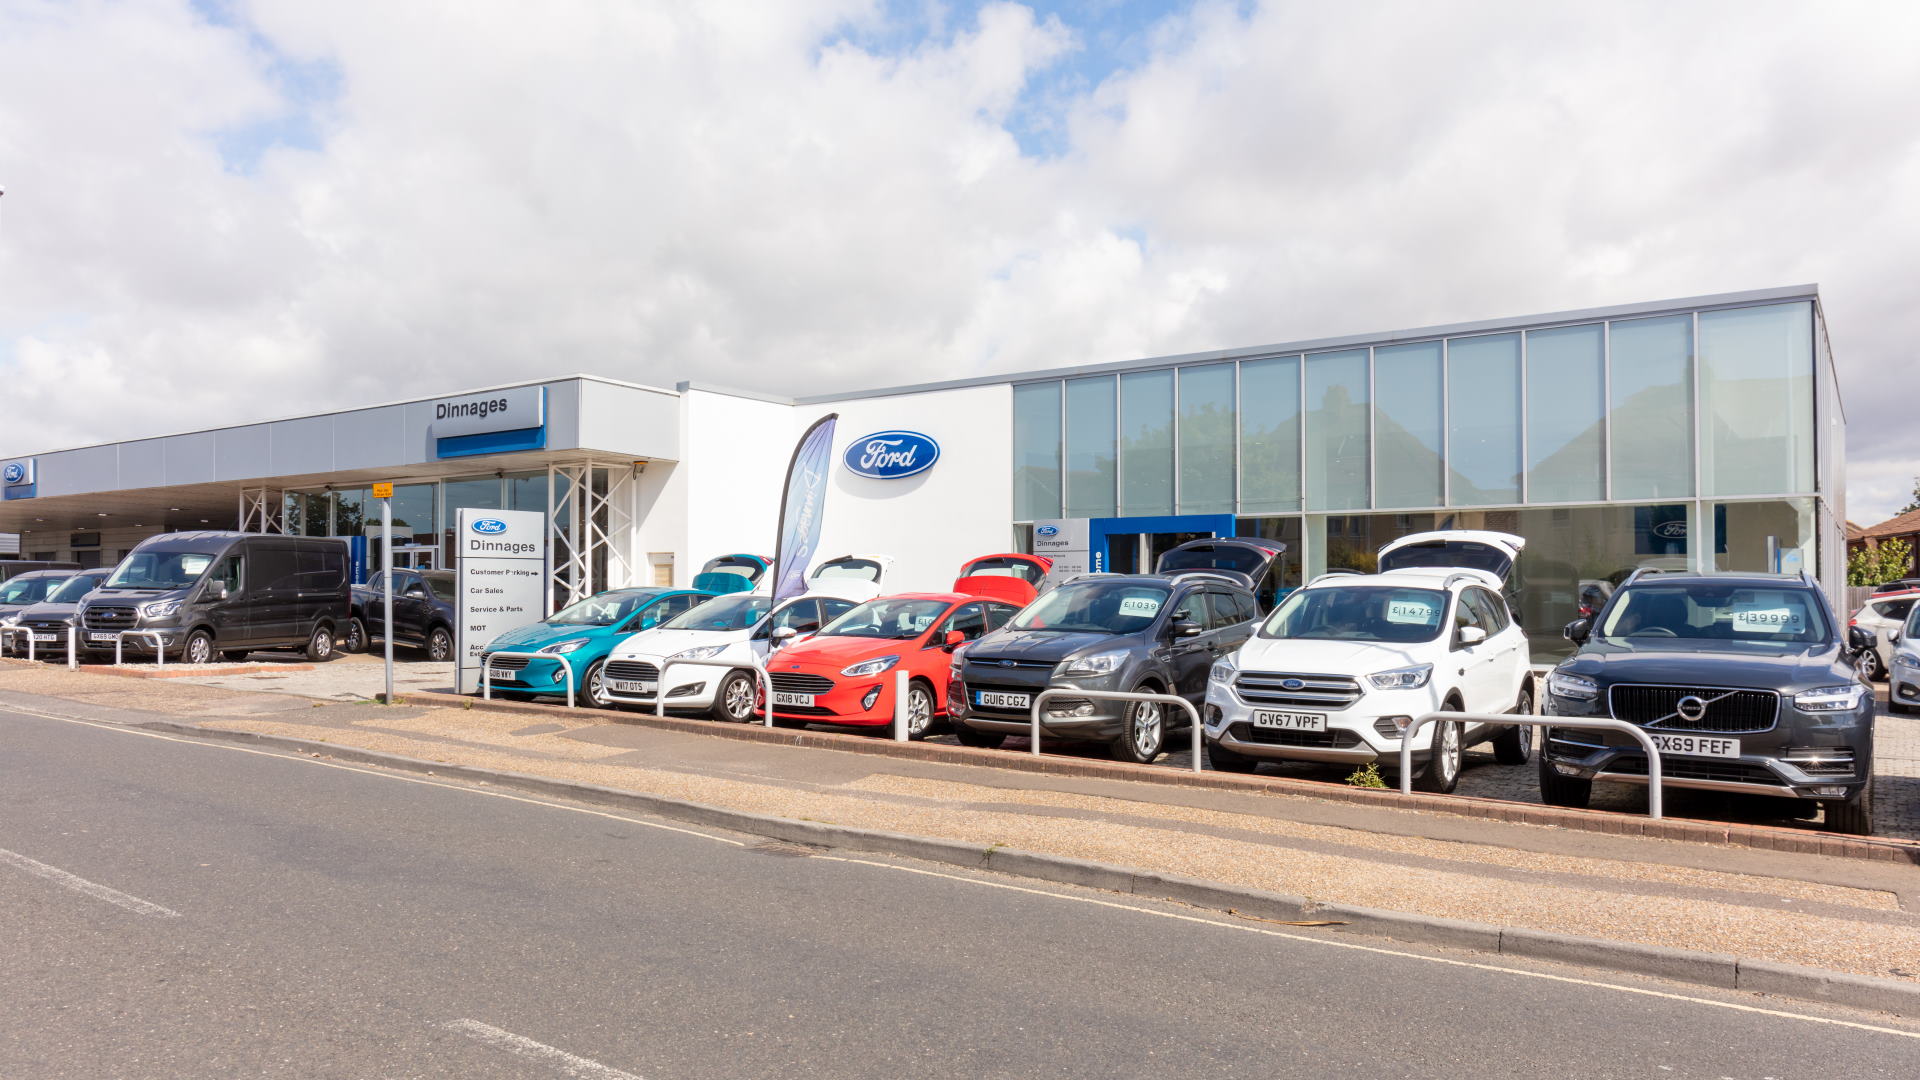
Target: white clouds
<point>748,194</point>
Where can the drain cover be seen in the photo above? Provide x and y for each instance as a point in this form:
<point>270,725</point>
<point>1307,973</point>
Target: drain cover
<point>782,847</point>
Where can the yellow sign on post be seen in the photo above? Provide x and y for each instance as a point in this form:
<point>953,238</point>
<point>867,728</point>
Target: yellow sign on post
<point>383,491</point>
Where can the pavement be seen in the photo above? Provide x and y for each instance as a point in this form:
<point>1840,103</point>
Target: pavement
<point>1838,914</point>
<point>178,907</point>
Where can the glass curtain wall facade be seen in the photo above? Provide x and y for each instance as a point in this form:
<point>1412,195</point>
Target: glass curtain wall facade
<point>1683,439</point>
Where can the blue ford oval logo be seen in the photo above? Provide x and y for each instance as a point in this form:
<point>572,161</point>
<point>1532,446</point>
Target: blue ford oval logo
<point>1291,684</point>
<point>890,455</point>
<point>16,472</point>
<point>489,526</point>
<point>1046,530</point>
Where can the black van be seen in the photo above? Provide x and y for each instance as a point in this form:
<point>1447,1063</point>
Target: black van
<point>224,593</point>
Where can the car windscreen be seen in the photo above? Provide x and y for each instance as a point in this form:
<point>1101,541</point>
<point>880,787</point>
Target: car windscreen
<point>160,569</point>
<point>1244,560</point>
<point>738,612</point>
<point>603,610</point>
<point>74,588</point>
<point>1013,568</point>
<point>848,570</point>
<point>1096,607</point>
<point>1712,612</point>
<point>1465,554</point>
<point>893,618</point>
<point>1383,613</point>
<point>443,585</point>
<point>28,590</point>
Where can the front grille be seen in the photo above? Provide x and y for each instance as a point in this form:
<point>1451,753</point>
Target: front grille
<point>1677,768</point>
<point>44,625</point>
<point>1319,740</point>
<point>1315,691</point>
<point>505,663</point>
<point>637,670</point>
<point>1821,760</point>
<point>109,618</point>
<point>788,682</point>
<point>1735,711</point>
<point>1009,663</point>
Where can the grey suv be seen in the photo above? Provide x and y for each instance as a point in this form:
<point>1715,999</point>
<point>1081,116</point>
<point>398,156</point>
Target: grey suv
<point>1746,682</point>
<point>1154,633</point>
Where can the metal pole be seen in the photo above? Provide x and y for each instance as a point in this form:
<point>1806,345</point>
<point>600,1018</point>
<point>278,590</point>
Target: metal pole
<point>899,706</point>
<point>73,648</point>
<point>386,599</point>
<point>1655,801</point>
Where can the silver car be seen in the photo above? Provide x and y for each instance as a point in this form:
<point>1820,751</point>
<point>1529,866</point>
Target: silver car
<point>1881,616</point>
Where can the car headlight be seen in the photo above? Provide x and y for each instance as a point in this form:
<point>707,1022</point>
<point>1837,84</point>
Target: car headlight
<point>1222,671</point>
<point>160,610</point>
<point>1899,659</point>
<point>700,653</point>
<point>9,620</point>
<point>870,667</point>
<point>1406,678</point>
<point>568,645</point>
<point>1105,663</point>
<point>1574,687</point>
<point>1830,698</point>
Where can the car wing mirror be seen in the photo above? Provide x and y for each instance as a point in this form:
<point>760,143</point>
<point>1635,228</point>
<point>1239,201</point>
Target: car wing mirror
<point>1578,631</point>
<point>954,640</point>
<point>218,590</point>
<point>784,634</point>
<point>1861,638</point>
<point>1894,635</point>
<point>1185,628</point>
<point>1471,635</point>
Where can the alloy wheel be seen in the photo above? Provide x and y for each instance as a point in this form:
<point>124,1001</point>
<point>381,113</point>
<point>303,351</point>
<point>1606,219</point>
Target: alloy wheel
<point>1146,728</point>
<point>738,697</point>
<point>919,711</point>
<point>440,646</point>
<point>1447,760</point>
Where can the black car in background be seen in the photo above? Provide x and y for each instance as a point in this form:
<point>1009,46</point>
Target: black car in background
<point>423,612</point>
<point>1125,632</point>
<point>1746,683</point>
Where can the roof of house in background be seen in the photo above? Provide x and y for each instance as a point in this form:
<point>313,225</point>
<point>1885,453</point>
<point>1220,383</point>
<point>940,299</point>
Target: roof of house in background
<point>1902,525</point>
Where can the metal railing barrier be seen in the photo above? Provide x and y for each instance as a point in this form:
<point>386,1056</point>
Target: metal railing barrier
<point>1193,714</point>
<point>1589,723</point>
<point>759,674</point>
<point>486,671</point>
<point>119,636</point>
<point>5,630</point>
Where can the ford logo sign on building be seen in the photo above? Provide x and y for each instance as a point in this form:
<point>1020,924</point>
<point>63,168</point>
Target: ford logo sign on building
<point>1047,530</point>
<point>16,472</point>
<point>890,455</point>
<point>490,526</point>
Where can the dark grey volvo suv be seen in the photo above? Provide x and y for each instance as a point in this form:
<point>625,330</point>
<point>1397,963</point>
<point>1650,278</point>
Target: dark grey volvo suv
<point>1745,682</point>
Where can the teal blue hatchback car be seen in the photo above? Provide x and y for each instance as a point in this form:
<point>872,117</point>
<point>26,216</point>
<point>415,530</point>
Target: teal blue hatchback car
<point>580,637</point>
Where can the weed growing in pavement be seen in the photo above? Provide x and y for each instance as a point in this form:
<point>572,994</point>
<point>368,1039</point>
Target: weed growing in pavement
<point>1367,775</point>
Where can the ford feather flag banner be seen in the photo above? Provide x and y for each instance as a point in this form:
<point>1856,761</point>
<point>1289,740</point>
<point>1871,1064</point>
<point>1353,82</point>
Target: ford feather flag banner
<point>800,508</point>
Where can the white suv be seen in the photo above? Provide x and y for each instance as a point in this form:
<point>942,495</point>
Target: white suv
<point>1341,667</point>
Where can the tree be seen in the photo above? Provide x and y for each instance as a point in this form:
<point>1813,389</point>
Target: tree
<point>1886,561</point>
<point>1915,503</point>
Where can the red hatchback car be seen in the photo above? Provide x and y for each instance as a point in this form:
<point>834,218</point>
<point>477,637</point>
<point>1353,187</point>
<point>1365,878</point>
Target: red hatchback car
<point>844,675</point>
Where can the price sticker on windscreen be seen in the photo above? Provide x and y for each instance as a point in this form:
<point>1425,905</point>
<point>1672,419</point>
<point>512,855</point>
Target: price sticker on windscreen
<point>1143,606</point>
<point>1413,612</point>
<point>1769,620</point>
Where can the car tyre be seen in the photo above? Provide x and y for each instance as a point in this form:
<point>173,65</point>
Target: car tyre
<point>234,655</point>
<point>440,645</point>
<point>198,649</point>
<point>1449,752</point>
<point>735,699</point>
<point>1143,733</point>
<point>593,685</point>
<point>981,740</point>
<point>356,641</point>
<point>320,645</point>
<point>1853,817</point>
<point>1869,668</point>
<point>1514,746</point>
<point>919,710</point>
<point>1556,790</point>
<point>1221,759</point>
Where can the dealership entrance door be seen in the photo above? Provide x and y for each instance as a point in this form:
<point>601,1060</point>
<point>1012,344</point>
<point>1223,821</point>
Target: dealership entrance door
<point>1133,545</point>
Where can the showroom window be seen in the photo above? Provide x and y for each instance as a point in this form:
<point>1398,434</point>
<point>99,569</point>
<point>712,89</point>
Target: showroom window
<point>1756,400</point>
<point>1206,439</point>
<point>1036,451</point>
<point>1337,415</point>
<point>1408,425</point>
<point>1651,440</point>
<point>1566,414</point>
<point>1483,423</point>
<point>1771,537</point>
<point>1090,446</point>
<point>1146,442</point>
<point>1270,435</point>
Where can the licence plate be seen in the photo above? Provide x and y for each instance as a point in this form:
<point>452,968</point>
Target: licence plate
<point>1695,745</point>
<point>108,638</point>
<point>1289,721</point>
<point>802,700</point>
<point>46,637</point>
<point>500,675</point>
<point>1000,700</point>
<point>631,686</point>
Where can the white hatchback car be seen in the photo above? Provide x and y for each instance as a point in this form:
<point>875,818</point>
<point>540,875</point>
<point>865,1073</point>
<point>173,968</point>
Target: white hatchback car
<point>742,628</point>
<point>1881,616</point>
<point>1341,667</point>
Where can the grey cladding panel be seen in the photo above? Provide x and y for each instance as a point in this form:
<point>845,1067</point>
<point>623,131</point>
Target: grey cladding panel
<point>302,446</point>
<point>243,453</point>
<point>371,438</point>
<point>144,464</point>
<point>71,472</point>
<point>189,458</point>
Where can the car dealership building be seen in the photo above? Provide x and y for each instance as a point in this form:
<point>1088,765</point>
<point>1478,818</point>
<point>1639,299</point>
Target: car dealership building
<point>1705,433</point>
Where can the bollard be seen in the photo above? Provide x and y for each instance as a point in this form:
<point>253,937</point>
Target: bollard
<point>899,706</point>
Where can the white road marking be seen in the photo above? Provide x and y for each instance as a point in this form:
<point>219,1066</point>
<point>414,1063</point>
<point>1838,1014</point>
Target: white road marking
<point>1380,950</point>
<point>293,756</point>
<point>82,885</point>
<point>566,1064</point>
